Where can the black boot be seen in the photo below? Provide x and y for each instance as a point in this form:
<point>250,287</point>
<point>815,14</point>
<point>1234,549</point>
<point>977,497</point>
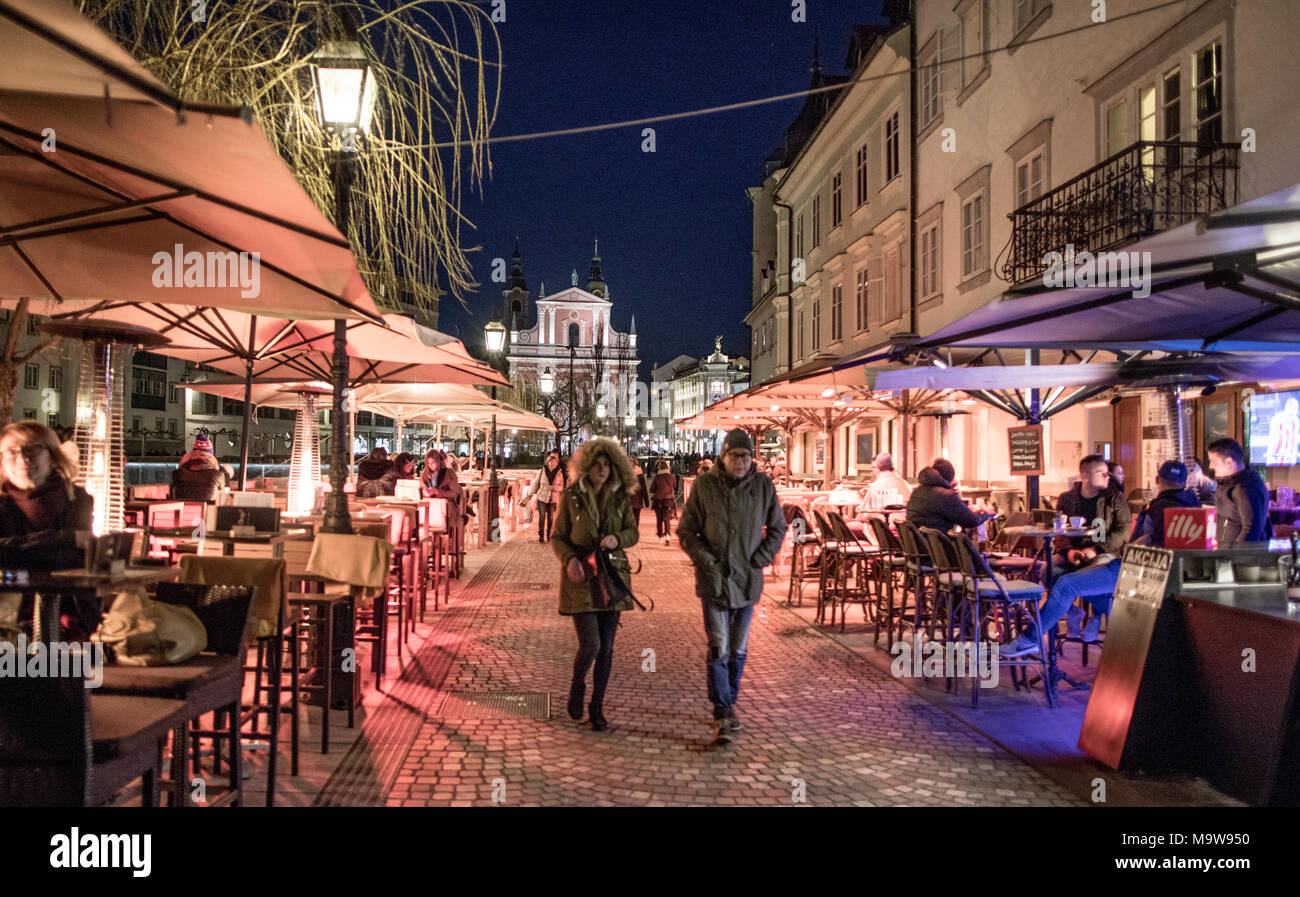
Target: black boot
<point>576,693</point>
<point>598,723</point>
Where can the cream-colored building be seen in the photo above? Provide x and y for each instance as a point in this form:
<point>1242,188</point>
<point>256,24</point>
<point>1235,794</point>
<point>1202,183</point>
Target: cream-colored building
<point>1025,140</point>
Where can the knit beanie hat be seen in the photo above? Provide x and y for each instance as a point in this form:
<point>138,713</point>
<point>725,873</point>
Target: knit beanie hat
<point>944,468</point>
<point>737,439</point>
<point>203,444</point>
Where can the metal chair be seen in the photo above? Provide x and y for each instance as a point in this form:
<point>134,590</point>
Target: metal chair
<point>829,567</point>
<point>803,542</point>
<point>918,571</point>
<point>890,561</point>
<point>855,559</point>
<point>985,593</point>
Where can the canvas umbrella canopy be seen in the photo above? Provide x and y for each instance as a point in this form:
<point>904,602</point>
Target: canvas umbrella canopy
<point>1230,282</point>
<point>113,191</point>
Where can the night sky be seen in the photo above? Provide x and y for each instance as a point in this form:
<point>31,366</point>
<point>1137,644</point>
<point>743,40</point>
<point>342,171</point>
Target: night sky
<point>674,225</point>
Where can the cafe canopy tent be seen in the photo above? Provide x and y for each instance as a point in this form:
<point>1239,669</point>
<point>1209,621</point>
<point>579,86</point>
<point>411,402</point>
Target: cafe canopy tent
<point>113,191</point>
<point>1228,283</point>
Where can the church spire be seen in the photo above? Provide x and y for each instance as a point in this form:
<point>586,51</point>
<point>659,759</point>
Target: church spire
<point>517,270</point>
<point>596,285</point>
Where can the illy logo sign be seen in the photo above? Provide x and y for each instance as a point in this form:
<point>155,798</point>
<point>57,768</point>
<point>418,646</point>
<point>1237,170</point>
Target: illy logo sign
<point>1190,528</point>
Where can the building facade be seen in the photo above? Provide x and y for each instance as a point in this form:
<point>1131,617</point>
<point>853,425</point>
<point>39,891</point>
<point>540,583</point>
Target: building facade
<point>696,385</point>
<point>571,331</point>
<point>1036,126</point>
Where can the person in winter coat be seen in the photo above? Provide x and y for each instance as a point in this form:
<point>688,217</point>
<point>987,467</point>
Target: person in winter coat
<point>41,510</point>
<point>935,502</point>
<point>1241,501</point>
<point>731,528</point>
<point>199,476</point>
<point>404,466</point>
<point>663,498</point>
<point>1103,509</point>
<point>547,486</point>
<point>638,498</point>
<point>595,511</point>
<point>1173,483</point>
<point>376,475</point>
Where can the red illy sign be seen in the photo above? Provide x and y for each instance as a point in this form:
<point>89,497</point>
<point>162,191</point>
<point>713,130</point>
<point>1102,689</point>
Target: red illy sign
<point>1190,528</point>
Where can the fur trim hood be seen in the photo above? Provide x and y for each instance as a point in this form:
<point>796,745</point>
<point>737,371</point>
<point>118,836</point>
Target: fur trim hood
<point>587,453</point>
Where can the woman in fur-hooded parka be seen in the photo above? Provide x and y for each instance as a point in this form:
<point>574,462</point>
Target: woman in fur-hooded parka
<point>586,516</point>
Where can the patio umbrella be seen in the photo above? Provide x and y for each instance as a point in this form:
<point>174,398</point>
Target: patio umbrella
<point>1230,282</point>
<point>143,197</point>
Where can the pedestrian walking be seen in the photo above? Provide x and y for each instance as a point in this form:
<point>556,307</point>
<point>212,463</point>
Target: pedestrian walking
<point>663,498</point>
<point>595,511</point>
<point>638,496</point>
<point>547,486</point>
<point>732,527</point>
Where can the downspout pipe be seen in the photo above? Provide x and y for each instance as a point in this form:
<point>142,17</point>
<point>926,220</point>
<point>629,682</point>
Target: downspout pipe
<point>789,281</point>
<point>914,322</point>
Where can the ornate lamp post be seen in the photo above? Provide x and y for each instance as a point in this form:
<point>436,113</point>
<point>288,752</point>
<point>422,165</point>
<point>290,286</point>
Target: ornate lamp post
<point>546,382</point>
<point>573,352</point>
<point>345,101</point>
<point>494,334</point>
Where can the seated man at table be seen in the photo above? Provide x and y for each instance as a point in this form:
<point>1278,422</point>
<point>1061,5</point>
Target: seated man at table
<point>40,508</point>
<point>1090,567</point>
<point>888,488</point>
<point>1104,511</point>
<point>935,502</point>
<point>1241,501</point>
<point>1171,480</point>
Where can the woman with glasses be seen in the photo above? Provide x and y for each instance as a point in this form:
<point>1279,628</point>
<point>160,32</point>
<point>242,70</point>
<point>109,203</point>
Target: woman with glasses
<point>40,508</point>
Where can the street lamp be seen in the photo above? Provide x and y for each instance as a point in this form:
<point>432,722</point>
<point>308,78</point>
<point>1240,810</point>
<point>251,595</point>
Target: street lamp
<point>494,334</point>
<point>345,100</point>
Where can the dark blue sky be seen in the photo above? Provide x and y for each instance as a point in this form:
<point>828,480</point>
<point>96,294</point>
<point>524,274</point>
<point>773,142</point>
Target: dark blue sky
<point>674,225</point>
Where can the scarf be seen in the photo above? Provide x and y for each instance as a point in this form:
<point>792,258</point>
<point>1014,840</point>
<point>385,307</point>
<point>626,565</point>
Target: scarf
<point>45,506</point>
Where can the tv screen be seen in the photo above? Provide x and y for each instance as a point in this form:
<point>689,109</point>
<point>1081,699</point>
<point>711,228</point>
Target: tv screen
<point>1275,428</point>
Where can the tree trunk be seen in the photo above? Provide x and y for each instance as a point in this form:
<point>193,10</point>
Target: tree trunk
<point>9,362</point>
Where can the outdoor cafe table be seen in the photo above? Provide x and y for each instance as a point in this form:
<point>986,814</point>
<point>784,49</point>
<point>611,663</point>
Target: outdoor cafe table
<point>228,540</point>
<point>50,585</point>
<point>1046,535</point>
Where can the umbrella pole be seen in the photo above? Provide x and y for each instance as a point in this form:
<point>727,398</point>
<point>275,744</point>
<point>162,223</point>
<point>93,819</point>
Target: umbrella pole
<point>248,405</point>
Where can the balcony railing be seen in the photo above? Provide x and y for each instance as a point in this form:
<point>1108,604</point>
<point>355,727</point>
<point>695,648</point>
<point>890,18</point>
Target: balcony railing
<point>1147,188</point>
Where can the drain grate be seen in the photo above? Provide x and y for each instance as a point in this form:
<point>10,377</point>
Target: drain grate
<point>496,705</point>
<point>538,586</point>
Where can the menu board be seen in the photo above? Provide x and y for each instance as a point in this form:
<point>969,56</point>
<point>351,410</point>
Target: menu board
<point>1107,733</point>
<point>1026,446</point>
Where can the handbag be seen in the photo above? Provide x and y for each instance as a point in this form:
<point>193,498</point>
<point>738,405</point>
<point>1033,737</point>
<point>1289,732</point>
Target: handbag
<point>143,632</point>
<point>608,589</point>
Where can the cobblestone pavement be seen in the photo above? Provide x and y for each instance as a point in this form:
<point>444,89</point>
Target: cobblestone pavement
<point>822,726</point>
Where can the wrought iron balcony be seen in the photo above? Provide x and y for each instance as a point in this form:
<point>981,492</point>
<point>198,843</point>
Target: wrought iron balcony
<point>1144,189</point>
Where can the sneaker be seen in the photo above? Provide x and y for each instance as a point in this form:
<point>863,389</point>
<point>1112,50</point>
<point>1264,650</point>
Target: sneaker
<point>1022,646</point>
<point>1073,620</point>
<point>1093,629</point>
<point>725,732</point>
<point>734,721</point>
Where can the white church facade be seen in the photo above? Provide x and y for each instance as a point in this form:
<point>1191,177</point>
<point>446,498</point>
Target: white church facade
<point>570,330</point>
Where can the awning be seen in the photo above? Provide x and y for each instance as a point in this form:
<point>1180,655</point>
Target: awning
<point>1228,283</point>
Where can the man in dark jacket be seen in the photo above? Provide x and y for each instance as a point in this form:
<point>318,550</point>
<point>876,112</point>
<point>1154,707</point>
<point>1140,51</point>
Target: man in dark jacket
<point>935,502</point>
<point>1171,480</point>
<point>1241,501</point>
<point>731,527</point>
<point>1104,510</point>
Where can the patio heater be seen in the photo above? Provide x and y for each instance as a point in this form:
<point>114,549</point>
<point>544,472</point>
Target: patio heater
<point>345,100</point>
<point>304,460</point>
<point>495,336</point>
<point>101,392</point>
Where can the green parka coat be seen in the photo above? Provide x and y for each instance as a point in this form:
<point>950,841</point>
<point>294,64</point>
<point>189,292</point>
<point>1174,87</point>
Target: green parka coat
<point>580,525</point>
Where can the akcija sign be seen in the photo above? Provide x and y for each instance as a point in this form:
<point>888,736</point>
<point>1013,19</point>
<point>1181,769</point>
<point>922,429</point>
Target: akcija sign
<point>1190,528</point>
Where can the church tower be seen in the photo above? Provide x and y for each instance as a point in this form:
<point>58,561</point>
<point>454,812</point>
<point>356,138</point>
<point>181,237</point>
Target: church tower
<point>596,285</point>
<point>516,309</point>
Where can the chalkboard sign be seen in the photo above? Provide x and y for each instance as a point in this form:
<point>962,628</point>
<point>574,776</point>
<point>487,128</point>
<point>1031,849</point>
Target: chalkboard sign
<point>1026,450</point>
<point>1139,592</point>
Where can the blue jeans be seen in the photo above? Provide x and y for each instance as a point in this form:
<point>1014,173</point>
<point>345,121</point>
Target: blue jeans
<point>1097,584</point>
<point>728,632</point>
